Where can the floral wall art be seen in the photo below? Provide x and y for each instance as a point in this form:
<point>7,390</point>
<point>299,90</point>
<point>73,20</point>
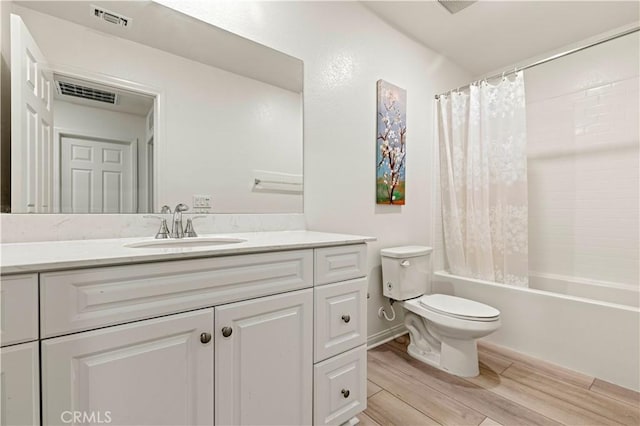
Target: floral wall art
<point>391,143</point>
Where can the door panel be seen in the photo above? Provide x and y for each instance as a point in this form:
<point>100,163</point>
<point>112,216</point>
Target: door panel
<point>46,163</point>
<point>31,124</point>
<point>81,187</point>
<point>264,367</point>
<point>111,191</point>
<point>153,372</point>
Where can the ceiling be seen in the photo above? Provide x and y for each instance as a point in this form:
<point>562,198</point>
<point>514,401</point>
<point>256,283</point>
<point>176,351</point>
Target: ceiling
<point>490,35</point>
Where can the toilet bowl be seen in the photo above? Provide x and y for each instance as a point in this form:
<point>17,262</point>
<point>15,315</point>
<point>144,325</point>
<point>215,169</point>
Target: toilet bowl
<point>443,329</point>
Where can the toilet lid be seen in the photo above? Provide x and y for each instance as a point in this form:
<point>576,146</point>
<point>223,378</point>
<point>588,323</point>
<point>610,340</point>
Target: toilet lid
<point>458,307</point>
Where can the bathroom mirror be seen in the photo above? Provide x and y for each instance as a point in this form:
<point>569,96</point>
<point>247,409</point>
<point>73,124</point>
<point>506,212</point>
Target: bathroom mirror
<point>126,106</point>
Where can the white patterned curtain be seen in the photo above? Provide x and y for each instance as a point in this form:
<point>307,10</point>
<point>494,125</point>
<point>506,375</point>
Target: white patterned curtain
<point>483,180</point>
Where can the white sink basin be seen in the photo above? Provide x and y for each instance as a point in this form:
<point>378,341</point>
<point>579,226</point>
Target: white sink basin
<point>185,242</point>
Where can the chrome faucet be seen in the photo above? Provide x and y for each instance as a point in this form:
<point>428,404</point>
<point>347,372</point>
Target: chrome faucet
<point>176,226</point>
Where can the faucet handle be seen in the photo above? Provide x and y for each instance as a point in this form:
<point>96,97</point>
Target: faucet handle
<point>163,232</point>
<point>165,209</point>
<point>189,231</point>
<point>181,208</point>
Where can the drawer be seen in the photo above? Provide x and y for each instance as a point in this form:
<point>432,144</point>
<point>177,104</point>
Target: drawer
<point>340,387</point>
<point>341,317</point>
<point>18,309</point>
<point>91,298</point>
<point>335,264</point>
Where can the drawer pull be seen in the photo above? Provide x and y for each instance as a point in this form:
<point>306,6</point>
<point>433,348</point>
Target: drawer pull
<point>205,337</point>
<point>226,331</point>
<point>346,318</point>
<point>346,393</point>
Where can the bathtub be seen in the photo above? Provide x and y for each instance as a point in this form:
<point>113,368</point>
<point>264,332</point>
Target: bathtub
<point>560,321</point>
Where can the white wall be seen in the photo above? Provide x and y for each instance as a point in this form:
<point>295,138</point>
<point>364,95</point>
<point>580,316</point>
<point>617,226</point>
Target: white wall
<point>102,123</point>
<point>583,128</point>
<point>218,126</point>
<point>346,49</point>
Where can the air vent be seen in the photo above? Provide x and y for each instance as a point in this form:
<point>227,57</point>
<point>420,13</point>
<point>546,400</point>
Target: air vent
<point>455,6</point>
<point>75,90</point>
<point>110,17</point>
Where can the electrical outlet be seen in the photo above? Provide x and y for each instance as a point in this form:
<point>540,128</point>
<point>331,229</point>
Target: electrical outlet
<point>202,201</point>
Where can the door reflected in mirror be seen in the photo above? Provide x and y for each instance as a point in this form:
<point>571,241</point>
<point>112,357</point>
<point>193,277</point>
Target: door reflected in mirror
<point>108,118</point>
<point>103,146</point>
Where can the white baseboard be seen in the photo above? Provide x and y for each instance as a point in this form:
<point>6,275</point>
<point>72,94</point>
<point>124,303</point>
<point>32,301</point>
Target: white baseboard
<point>385,335</point>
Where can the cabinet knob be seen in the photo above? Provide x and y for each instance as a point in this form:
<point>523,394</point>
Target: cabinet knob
<point>346,318</point>
<point>226,331</point>
<point>205,337</point>
<point>345,393</point>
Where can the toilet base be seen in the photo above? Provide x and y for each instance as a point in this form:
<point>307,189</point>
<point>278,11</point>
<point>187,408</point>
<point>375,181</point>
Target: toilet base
<point>455,356</point>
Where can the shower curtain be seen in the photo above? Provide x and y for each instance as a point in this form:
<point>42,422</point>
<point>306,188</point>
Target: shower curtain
<point>483,181</point>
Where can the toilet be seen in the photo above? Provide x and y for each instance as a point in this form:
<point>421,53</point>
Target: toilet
<point>443,329</point>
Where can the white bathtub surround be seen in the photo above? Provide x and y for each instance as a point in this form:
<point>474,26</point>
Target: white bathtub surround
<point>600,339</point>
<point>483,165</point>
<point>603,291</point>
<point>583,123</point>
<point>15,228</point>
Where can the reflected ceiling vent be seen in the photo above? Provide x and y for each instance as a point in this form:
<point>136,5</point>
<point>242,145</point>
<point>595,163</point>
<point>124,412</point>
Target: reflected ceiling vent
<point>455,6</point>
<point>110,17</point>
<point>84,92</point>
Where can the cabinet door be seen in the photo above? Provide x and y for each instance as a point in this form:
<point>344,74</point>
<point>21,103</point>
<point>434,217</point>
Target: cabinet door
<point>20,400</point>
<point>264,360</point>
<point>153,372</point>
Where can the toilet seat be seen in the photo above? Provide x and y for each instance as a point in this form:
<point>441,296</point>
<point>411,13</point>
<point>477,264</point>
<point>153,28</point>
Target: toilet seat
<point>458,307</point>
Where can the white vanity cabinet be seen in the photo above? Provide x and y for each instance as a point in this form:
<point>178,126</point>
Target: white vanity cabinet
<point>271,338</point>
<point>152,372</point>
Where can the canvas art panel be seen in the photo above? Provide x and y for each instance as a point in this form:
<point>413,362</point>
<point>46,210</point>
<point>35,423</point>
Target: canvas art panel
<point>391,144</point>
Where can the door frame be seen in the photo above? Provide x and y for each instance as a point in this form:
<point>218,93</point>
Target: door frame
<point>60,133</point>
<point>150,181</point>
<point>124,84</point>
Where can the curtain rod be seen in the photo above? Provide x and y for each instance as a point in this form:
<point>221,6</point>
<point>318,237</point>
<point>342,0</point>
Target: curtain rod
<point>554,57</point>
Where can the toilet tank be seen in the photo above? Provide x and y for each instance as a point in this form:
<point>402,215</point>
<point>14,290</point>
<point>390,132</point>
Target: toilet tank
<point>406,272</point>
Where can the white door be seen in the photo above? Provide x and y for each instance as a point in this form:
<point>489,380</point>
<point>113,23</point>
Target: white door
<point>31,124</point>
<point>20,385</point>
<point>96,176</point>
<point>264,360</point>
<point>153,372</point>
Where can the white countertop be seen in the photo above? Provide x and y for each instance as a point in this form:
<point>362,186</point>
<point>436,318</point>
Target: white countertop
<point>57,255</point>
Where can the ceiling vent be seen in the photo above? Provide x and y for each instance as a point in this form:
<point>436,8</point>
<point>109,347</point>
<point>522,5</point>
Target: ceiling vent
<point>455,6</point>
<point>110,17</point>
<point>77,91</point>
